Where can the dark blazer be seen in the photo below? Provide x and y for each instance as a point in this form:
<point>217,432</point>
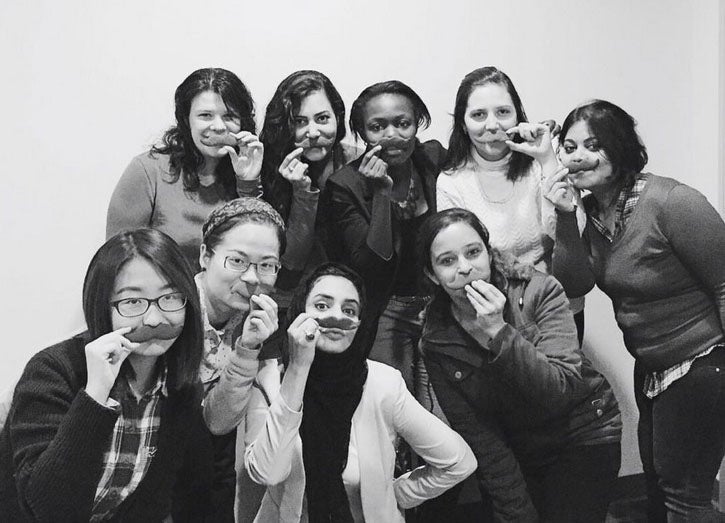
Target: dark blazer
<point>55,437</point>
<point>350,203</point>
<point>523,396</point>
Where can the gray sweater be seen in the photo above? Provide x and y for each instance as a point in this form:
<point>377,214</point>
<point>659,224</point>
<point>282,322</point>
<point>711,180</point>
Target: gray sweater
<point>664,272</point>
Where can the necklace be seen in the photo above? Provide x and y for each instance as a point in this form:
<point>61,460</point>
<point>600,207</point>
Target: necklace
<point>485,195</point>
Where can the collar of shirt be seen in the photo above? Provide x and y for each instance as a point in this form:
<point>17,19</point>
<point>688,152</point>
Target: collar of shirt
<point>217,342</point>
<point>626,202</point>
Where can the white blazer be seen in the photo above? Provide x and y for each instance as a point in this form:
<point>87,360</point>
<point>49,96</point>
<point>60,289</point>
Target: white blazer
<point>386,410</point>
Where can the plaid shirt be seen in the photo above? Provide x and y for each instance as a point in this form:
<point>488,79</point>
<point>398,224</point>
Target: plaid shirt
<point>658,381</point>
<point>133,444</point>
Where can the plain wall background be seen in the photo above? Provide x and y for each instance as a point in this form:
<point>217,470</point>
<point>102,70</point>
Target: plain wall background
<point>87,85</point>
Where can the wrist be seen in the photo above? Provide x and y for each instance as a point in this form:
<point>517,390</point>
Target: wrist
<point>493,330</point>
<point>548,163</point>
<point>98,394</point>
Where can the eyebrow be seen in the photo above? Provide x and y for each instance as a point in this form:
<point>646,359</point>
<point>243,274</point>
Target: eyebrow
<point>328,297</point>
<point>476,244</point>
<point>131,288</point>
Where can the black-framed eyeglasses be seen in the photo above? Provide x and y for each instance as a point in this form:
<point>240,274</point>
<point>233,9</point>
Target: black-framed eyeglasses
<point>130,307</point>
<point>240,265</point>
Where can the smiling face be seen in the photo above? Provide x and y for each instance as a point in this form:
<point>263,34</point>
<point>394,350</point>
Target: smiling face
<point>155,330</point>
<point>390,121</point>
<point>315,126</point>
<point>458,256</point>
<point>489,113</point>
<point>588,164</point>
<point>228,292</point>
<point>336,299</point>
<point>209,118</point>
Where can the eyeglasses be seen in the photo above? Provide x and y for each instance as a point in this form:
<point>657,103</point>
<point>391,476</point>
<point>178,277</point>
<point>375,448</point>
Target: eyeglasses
<point>130,307</point>
<point>237,264</point>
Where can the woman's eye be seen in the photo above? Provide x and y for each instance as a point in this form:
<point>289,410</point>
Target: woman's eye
<point>504,112</point>
<point>324,118</point>
<point>321,306</point>
<point>374,127</point>
<point>350,312</point>
<point>204,115</point>
<point>131,301</point>
<point>594,147</point>
<point>446,261</point>
<point>231,117</point>
<point>568,149</point>
<point>473,253</point>
<point>478,115</point>
<point>300,122</point>
<point>404,124</point>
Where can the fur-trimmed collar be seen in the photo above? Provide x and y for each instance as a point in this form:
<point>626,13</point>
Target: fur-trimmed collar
<point>510,267</point>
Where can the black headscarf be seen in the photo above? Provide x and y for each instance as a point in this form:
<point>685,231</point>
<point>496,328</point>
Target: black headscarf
<point>332,394</point>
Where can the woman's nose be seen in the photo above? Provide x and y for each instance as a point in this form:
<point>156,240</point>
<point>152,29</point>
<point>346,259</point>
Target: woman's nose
<point>464,266</point>
<point>313,132</point>
<point>153,316</point>
<point>217,124</point>
<point>250,276</point>
<point>491,123</point>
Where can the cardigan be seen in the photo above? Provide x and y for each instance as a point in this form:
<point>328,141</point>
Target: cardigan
<point>663,272</point>
<point>148,196</point>
<point>386,410</point>
<point>52,448</point>
<point>522,396</point>
<point>351,200</point>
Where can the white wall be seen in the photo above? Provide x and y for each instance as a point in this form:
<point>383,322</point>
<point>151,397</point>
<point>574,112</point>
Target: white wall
<point>87,85</point>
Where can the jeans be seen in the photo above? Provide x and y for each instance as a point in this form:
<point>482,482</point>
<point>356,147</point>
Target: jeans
<point>682,440</point>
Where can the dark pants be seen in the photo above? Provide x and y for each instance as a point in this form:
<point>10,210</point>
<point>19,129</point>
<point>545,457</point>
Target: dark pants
<point>578,486</point>
<point>682,441</point>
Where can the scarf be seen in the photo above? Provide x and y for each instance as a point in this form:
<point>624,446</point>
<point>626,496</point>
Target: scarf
<point>333,392</point>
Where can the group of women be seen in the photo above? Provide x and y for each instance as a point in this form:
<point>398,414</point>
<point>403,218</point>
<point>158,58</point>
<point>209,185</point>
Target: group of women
<point>274,320</point>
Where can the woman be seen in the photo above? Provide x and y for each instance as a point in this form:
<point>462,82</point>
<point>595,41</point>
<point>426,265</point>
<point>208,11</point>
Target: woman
<point>378,203</point>
<point>647,245</point>
<point>175,185</point>
<point>501,351</point>
<point>327,448</point>
<point>71,450</point>
<point>302,136</point>
<point>242,242</point>
<point>498,179</point>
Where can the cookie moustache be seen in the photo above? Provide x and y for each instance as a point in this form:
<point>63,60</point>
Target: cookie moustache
<point>218,140</point>
<point>161,332</point>
<point>346,324</point>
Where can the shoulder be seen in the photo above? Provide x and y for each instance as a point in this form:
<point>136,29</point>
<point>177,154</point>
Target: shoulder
<point>348,177</point>
<point>149,164</point>
<point>65,360</point>
<point>383,379</point>
<point>434,151</point>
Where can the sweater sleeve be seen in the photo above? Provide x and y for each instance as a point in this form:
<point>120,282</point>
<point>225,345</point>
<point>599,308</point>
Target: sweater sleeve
<point>226,401</point>
<point>498,470</point>
<point>697,235</point>
<point>448,459</point>
<point>132,202</point>
<point>59,436</point>
<point>300,228</point>
<point>368,246</point>
<point>570,261</point>
<point>249,188</point>
<point>447,196</point>
<point>268,458</point>
<point>546,370</point>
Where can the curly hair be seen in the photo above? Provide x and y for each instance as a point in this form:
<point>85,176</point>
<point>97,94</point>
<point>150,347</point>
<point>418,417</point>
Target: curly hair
<point>278,131</point>
<point>184,158</point>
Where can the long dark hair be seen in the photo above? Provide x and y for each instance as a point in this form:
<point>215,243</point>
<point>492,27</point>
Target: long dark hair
<point>278,131</point>
<point>616,132</point>
<point>185,159</point>
<point>435,223</point>
<point>184,356</point>
<point>420,111</point>
<point>459,145</point>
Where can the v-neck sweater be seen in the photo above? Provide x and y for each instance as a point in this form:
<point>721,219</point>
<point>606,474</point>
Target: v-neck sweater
<point>663,272</point>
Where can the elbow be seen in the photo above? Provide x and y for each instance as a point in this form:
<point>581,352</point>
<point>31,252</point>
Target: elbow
<point>263,476</point>
<point>217,426</point>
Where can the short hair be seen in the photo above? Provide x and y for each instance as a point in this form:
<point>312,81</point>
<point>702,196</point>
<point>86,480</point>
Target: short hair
<point>459,145</point>
<point>617,135</point>
<point>185,160</point>
<point>241,210</point>
<point>435,223</point>
<point>158,249</point>
<point>278,131</point>
<point>420,111</point>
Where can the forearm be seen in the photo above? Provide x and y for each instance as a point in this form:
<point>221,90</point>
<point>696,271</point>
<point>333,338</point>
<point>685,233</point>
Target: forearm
<point>226,402</point>
<point>300,228</point>
<point>249,188</point>
<point>570,261</point>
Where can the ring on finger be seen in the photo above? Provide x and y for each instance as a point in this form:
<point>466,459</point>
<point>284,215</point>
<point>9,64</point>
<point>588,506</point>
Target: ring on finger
<point>310,335</point>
